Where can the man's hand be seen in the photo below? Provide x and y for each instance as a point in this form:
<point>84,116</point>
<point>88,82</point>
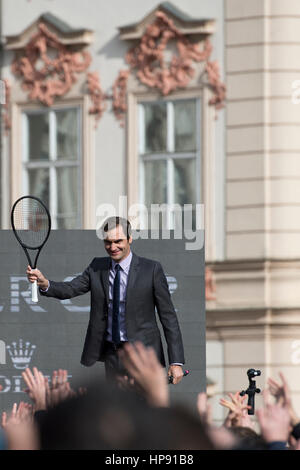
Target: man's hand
<point>176,372</point>
<point>36,275</point>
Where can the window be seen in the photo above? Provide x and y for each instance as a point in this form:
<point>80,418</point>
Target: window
<point>169,152</point>
<point>52,163</point>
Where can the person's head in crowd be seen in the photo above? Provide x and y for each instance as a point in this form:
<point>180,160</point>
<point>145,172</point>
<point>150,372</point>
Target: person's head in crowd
<point>108,418</point>
<point>247,438</point>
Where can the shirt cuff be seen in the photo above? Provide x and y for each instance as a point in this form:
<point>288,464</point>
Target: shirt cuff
<point>45,290</point>
<point>176,364</point>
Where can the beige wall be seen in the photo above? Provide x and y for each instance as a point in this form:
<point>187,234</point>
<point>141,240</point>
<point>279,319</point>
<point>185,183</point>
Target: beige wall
<point>255,319</point>
<point>263,139</point>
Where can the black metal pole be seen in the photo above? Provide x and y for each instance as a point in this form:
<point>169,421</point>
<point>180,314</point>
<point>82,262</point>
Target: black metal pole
<point>251,390</point>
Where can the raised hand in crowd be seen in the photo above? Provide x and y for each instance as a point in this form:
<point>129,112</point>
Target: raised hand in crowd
<point>19,428</point>
<point>204,409</point>
<point>59,389</point>
<point>293,443</point>
<point>274,420</point>
<point>282,394</point>
<point>220,436</point>
<point>36,387</point>
<point>148,374</point>
<point>238,411</point>
<point>21,412</point>
<point>43,394</point>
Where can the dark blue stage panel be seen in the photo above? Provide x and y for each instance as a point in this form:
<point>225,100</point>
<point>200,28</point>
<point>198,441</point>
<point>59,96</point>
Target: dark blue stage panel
<point>50,334</point>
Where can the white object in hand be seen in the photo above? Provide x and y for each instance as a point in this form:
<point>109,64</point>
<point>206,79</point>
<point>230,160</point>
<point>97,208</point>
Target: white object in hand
<point>34,292</point>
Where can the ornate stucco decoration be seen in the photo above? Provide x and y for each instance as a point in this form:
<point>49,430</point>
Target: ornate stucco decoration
<point>214,79</point>
<point>6,106</point>
<point>46,78</point>
<point>49,62</point>
<point>66,34</point>
<point>149,62</point>
<point>97,96</point>
<point>210,285</point>
<point>119,96</point>
<point>149,58</point>
<point>49,59</point>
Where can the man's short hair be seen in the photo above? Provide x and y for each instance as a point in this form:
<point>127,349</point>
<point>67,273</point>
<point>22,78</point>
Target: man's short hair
<point>115,221</point>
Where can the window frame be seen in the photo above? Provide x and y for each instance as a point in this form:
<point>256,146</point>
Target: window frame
<point>88,155</point>
<point>53,163</point>
<point>207,130</point>
<point>170,155</point>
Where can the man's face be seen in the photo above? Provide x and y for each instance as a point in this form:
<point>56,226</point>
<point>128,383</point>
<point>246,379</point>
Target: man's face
<point>116,244</point>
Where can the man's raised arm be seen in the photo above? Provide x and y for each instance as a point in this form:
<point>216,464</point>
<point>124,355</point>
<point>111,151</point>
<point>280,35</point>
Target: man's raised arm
<point>60,290</point>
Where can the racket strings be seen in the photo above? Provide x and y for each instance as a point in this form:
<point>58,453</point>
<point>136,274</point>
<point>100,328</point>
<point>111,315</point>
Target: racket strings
<point>31,222</point>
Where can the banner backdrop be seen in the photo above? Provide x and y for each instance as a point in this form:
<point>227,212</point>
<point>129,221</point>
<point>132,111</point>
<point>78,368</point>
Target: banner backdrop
<point>50,334</point>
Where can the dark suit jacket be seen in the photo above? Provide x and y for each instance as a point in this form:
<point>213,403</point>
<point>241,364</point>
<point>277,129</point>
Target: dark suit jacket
<point>147,288</point>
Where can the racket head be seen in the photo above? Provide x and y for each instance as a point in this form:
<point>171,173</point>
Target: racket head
<point>31,222</point>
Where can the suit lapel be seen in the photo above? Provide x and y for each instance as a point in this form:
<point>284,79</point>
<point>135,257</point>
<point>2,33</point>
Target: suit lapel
<point>133,272</point>
<point>105,279</point>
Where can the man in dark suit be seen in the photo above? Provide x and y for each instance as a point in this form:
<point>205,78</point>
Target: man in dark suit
<point>125,289</point>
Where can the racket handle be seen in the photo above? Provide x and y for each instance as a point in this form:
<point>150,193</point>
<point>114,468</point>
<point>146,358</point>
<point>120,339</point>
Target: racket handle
<point>34,292</point>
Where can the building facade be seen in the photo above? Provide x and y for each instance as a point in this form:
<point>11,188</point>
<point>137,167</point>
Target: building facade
<point>170,103</point>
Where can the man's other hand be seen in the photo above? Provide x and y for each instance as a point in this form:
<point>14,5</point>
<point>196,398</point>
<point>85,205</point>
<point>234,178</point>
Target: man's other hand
<point>176,372</point>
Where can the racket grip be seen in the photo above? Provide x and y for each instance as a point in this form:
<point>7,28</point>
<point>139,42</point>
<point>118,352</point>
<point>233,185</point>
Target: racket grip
<point>34,292</point>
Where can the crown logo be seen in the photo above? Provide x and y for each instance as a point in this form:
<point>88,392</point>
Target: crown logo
<point>21,353</point>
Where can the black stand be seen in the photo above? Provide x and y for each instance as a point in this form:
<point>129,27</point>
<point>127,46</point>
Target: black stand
<point>251,390</point>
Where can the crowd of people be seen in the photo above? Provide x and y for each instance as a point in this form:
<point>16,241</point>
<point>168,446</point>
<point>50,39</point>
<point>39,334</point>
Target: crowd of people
<point>135,413</point>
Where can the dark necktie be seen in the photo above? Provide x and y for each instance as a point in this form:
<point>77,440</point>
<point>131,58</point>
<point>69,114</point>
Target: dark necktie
<point>116,307</point>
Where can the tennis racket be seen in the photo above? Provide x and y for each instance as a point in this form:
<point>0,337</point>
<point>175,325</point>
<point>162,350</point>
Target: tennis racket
<point>31,224</point>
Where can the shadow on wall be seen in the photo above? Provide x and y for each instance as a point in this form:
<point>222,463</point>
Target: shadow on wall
<point>114,48</point>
